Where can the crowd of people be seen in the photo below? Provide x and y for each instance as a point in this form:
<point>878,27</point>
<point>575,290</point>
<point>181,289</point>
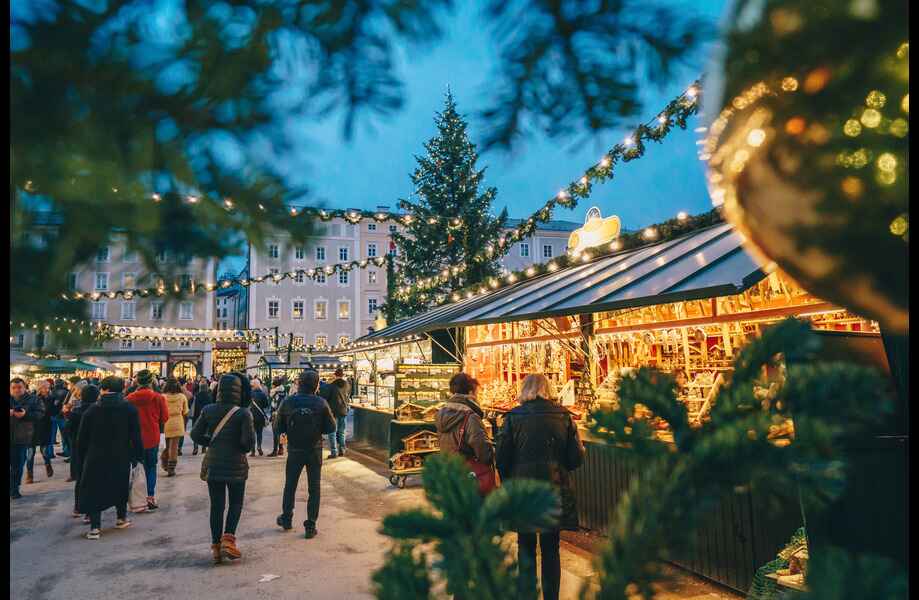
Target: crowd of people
<point>108,429</point>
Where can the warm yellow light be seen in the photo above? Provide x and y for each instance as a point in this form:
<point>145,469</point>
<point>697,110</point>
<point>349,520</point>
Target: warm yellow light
<point>852,128</point>
<point>852,187</point>
<point>789,84</point>
<point>899,127</point>
<point>875,99</point>
<point>886,177</point>
<point>756,137</point>
<point>904,104</point>
<point>795,125</point>
<point>871,118</point>
<point>900,225</point>
<point>887,162</point>
<point>682,216</point>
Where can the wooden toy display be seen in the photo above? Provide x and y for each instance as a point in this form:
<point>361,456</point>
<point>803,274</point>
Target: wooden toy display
<point>410,461</point>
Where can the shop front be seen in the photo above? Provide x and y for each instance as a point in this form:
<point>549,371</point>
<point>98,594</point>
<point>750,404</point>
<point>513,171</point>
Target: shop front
<point>229,357</point>
<point>683,306</point>
<point>128,363</point>
<point>186,365</point>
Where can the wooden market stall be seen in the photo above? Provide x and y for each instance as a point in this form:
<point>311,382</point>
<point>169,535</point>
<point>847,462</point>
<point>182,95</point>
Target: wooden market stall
<point>684,305</point>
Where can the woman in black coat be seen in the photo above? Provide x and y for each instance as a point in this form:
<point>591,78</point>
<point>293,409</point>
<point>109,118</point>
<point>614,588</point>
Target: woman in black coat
<point>84,398</point>
<point>202,399</point>
<point>108,444</point>
<point>539,440</point>
<point>225,458</point>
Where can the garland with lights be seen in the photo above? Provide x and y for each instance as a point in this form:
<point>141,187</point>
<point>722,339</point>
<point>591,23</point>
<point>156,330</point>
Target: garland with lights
<point>312,274</point>
<point>676,112</point>
<point>661,232</point>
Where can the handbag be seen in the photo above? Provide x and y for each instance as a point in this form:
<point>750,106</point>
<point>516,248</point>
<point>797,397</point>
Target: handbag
<point>223,421</point>
<point>137,496</point>
<point>484,474</point>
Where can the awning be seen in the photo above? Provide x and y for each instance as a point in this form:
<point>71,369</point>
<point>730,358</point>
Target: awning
<point>19,358</point>
<point>101,364</point>
<point>85,366</point>
<point>47,365</point>
<point>707,263</point>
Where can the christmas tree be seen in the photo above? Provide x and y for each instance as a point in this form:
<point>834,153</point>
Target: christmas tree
<point>438,253</point>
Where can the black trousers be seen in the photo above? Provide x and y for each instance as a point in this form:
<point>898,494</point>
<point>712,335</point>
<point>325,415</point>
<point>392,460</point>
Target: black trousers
<point>258,437</point>
<point>297,460</point>
<point>217,490</point>
<point>551,565</point>
<point>277,439</point>
<point>95,518</point>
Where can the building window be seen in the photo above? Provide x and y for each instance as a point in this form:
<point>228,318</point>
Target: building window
<point>40,339</point>
<point>320,253</point>
<point>372,306</point>
<point>156,344</point>
<point>156,311</point>
<point>185,281</point>
<point>371,250</point>
<point>102,255</point>
<point>273,251</point>
<point>392,249</point>
<point>343,278</point>
<point>344,340</point>
<point>20,340</point>
<point>186,311</point>
<point>371,276</point>
<point>392,229</point>
<point>320,310</point>
<point>127,344</point>
<point>130,256</point>
<point>297,310</point>
<point>184,343</point>
<point>371,226</point>
<point>299,278</point>
<point>102,281</point>
<point>320,277</point>
<point>128,280</point>
<point>342,254</point>
<point>298,341</point>
<point>128,310</point>
<point>344,310</point>
<point>298,253</point>
<point>524,249</point>
<point>72,282</point>
<point>162,256</point>
<point>547,251</point>
<point>274,307</point>
<point>322,340</point>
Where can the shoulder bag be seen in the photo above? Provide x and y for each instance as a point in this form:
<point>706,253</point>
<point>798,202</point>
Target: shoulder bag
<point>484,474</point>
<point>223,421</point>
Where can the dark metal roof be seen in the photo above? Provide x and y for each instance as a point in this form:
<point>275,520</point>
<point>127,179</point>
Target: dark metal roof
<point>704,264</point>
<point>548,225</point>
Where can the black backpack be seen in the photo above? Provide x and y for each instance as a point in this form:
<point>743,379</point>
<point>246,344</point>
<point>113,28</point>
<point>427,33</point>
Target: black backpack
<point>302,431</point>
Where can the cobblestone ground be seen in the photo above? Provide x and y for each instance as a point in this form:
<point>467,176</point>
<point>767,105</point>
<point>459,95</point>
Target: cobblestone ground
<point>166,554</point>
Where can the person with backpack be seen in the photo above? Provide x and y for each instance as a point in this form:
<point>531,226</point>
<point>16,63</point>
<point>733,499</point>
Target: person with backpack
<point>304,417</point>
<point>224,428</point>
<point>337,396</point>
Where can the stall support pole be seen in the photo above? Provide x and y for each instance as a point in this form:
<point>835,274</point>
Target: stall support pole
<point>586,326</point>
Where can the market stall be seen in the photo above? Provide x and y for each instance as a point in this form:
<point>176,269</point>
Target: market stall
<point>684,306</point>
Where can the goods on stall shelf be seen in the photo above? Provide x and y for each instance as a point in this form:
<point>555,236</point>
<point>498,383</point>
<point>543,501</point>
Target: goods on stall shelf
<point>410,461</point>
<point>425,387</point>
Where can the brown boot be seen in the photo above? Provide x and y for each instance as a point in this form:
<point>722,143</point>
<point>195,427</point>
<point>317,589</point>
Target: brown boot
<point>228,547</point>
<point>49,470</point>
<point>215,551</point>
<point>29,478</point>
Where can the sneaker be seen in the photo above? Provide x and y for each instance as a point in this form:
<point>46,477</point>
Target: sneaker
<point>93,534</point>
<point>49,470</point>
<point>180,453</point>
<point>86,519</point>
<point>151,506</point>
<point>194,452</point>
<point>260,452</point>
<point>69,480</point>
<point>122,524</point>
<point>310,530</point>
<point>284,524</point>
<point>333,455</point>
<point>273,454</point>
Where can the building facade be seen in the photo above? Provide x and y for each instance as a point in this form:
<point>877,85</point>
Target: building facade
<point>339,308</point>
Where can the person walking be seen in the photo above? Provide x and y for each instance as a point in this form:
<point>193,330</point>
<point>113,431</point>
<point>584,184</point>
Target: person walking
<point>203,397</point>
<point>25,412</point>
<point>41,436</point>
<point>539,440</point>
<point>225,430</point>
<point>304,417</point>
<point>278,395</point>
<point>261,407</point>
<point>174,429</point>
<point>109,442</point>
<point>153,412</point>
<point>463,413</point>
<point>73,400</point>
<point>336,394</point>
<point>85,396</point>
<point>59,395</point>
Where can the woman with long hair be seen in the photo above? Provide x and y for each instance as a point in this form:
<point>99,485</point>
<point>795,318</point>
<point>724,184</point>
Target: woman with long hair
<point>174,429</point>
<point>539,440</point>
<point>225,429</point>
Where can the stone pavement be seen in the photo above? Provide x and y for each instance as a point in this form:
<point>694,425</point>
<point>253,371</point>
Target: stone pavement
<point>166,554</point>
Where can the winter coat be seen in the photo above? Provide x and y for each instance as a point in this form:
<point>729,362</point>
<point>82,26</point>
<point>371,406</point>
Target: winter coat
<point>202,399</point>
<point>153,412</point>
<point>539,440</point>
<point>450,418</point>
<point>107,443</point>
<point>73,423</point>
<point>22,430</point>
<point>226,454</point>
<point>335,396</point>
<point>320,408</point>
<point>177,404</point>
<point>261,407</point>
<point>41,434</point>
<point>58,399</point>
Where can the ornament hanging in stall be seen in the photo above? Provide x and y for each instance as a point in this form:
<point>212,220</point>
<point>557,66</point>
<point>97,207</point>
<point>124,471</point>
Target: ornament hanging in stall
<point>808,146</point>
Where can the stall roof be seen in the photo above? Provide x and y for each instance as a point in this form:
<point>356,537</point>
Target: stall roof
<point>704,264</point>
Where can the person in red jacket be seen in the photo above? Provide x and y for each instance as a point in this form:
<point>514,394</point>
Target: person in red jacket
<point>153,413</point>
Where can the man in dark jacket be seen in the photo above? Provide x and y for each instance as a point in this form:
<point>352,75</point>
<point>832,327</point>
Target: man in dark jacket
<point>25,411</point>
<point>305,418</point>
<point>260,409</point>
<point>336,394</point>
<point>58,398</point>
<point>108,443</point>
<point>41,435</point>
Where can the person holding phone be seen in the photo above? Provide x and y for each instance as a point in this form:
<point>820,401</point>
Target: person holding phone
<point>25,412</point>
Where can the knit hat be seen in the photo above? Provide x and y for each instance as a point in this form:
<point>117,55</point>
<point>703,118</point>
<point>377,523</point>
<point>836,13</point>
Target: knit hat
<point>112,384</point>
<point>144,377</point>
